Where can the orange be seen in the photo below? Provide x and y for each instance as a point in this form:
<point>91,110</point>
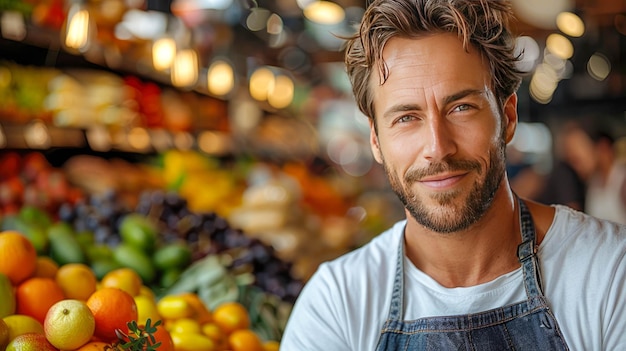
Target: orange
<point>36,295</point>
<point>69,324</point>
<point>112,309</point>
<point>245,340</point>
<point>147,292</point>
<point>271,345</point>
<point>202,313</point>
<point>164,337</point>
<point>77,280</point>
<point>18,258</point>
<point>95,346</point>
<point>123,278</point>
<point>30,342</point>
<point>231,316</point>
<point>214,332</point>
<point>46,267</point>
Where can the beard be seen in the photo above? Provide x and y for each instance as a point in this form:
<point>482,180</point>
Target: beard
<point>452,215</point>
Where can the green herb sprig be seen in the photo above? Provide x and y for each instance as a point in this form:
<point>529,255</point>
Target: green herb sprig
<point>137,339</point>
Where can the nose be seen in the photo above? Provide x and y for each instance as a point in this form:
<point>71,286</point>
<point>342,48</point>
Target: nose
<point>439,142</point>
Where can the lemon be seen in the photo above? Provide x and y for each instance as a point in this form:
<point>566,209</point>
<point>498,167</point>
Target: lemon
<point>69,324</point>
<point>146,308</point>
<point>189,342</point>
<point>186,326</point>
<point>21,324</point>
<point>174,307</point>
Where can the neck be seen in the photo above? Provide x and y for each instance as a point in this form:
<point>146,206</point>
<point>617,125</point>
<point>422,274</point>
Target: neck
<point>477,255</point>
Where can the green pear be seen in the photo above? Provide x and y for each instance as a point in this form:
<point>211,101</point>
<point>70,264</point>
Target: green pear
<point>7,296</point>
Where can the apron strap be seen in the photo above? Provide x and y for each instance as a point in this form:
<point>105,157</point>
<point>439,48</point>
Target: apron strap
<point>526,252</point>
<point>396,308</point>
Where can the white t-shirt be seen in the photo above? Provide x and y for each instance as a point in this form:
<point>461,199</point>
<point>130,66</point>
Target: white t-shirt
<point>583,266</point>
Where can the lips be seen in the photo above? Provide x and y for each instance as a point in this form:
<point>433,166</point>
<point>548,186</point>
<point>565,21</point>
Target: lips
<point>446,172</point>
<point>442,181</point>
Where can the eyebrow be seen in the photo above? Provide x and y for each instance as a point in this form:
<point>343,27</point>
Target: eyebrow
<point>448,99</point>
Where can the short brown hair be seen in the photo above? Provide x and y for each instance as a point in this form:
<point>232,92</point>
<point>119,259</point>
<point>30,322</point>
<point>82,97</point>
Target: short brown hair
<point>480,23</point>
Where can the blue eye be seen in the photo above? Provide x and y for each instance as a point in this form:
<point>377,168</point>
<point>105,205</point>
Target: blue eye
<point>405,118</point>
<point>463,107</point>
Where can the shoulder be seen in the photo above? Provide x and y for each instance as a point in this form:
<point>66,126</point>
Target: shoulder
<point>583,266</point>
<point>345,297</point>
<point>574,227</point>
<point>582,224</point>
<point>377,250</point>
<point>364,265</point>
<point>585,246</point>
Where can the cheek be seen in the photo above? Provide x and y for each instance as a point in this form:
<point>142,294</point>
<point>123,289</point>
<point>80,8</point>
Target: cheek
<point>481,144</point>
<point>400,154</point>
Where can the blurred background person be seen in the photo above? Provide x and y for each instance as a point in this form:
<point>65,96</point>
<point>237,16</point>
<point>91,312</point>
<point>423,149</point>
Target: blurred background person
<point>606,190</point>
<point>574,163</point>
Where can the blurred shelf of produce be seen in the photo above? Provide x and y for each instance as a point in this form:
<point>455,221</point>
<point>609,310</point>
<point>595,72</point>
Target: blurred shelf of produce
<point>263,228</point>
<point>216,187</point>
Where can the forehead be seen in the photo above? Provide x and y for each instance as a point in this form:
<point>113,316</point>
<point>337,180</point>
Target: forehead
<point>432,58</point>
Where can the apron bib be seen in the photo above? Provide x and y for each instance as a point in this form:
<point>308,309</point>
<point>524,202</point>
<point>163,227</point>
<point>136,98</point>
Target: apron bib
<point>527,325</point>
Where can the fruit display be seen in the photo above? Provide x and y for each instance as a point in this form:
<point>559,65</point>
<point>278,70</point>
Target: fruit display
<point>163,241</point>
<point>86,97</point>
<point>29,180</point>
<point>182,224</point>
<point>23,92</point>
<point>50,306</point>
<point>163,259</point>
<point>173,246</point>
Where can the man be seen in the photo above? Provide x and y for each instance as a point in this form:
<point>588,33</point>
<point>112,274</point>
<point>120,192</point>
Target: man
<point>472,267</point>
<point>606,192</point>
<point>575,162</point>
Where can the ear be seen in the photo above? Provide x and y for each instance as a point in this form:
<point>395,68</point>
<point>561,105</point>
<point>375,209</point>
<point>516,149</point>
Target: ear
<point>510,116</point>
<point>374,142</point>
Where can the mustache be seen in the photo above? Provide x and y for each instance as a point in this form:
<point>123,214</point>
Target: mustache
<point>414,175</point>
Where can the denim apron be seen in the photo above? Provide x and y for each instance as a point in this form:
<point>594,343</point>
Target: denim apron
<point>528,325</point>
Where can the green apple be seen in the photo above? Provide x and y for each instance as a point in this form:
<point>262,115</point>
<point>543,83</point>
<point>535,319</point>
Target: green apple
<point>139,231</point>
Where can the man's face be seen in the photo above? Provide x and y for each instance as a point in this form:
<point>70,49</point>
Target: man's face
<point>440,135</point>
